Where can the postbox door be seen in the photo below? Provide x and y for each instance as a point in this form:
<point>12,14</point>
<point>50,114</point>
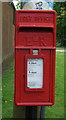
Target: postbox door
<point>29,95</point>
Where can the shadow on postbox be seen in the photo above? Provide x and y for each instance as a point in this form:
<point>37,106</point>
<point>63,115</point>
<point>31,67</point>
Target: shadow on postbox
<point>35,48</point>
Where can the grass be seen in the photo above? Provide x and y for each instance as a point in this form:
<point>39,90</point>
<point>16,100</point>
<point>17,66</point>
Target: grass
<point>65,84</point>
<point>7,94</point>
<point>0,97</point>
<point>56,111</point>
<point>61,48</point>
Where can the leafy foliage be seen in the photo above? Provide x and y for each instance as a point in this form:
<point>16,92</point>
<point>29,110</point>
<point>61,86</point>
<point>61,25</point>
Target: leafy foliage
<point>60,8</point>
<point>19,5</point>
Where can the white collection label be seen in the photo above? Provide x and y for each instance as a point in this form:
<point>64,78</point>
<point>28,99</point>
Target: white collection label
<point>35,73</point>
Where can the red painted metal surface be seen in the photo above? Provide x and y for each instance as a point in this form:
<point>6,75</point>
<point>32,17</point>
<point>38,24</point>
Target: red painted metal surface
<point>35,30</point>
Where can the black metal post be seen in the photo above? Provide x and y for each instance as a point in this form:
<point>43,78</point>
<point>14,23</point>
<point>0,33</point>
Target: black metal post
<point>42,113</point>
<point>31,112</point>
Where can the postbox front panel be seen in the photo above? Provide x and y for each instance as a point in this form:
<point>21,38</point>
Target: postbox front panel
<point>35,36</point>
<point>34,58</point>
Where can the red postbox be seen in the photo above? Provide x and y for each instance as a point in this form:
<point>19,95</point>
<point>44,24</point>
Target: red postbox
<point>35,47</point>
